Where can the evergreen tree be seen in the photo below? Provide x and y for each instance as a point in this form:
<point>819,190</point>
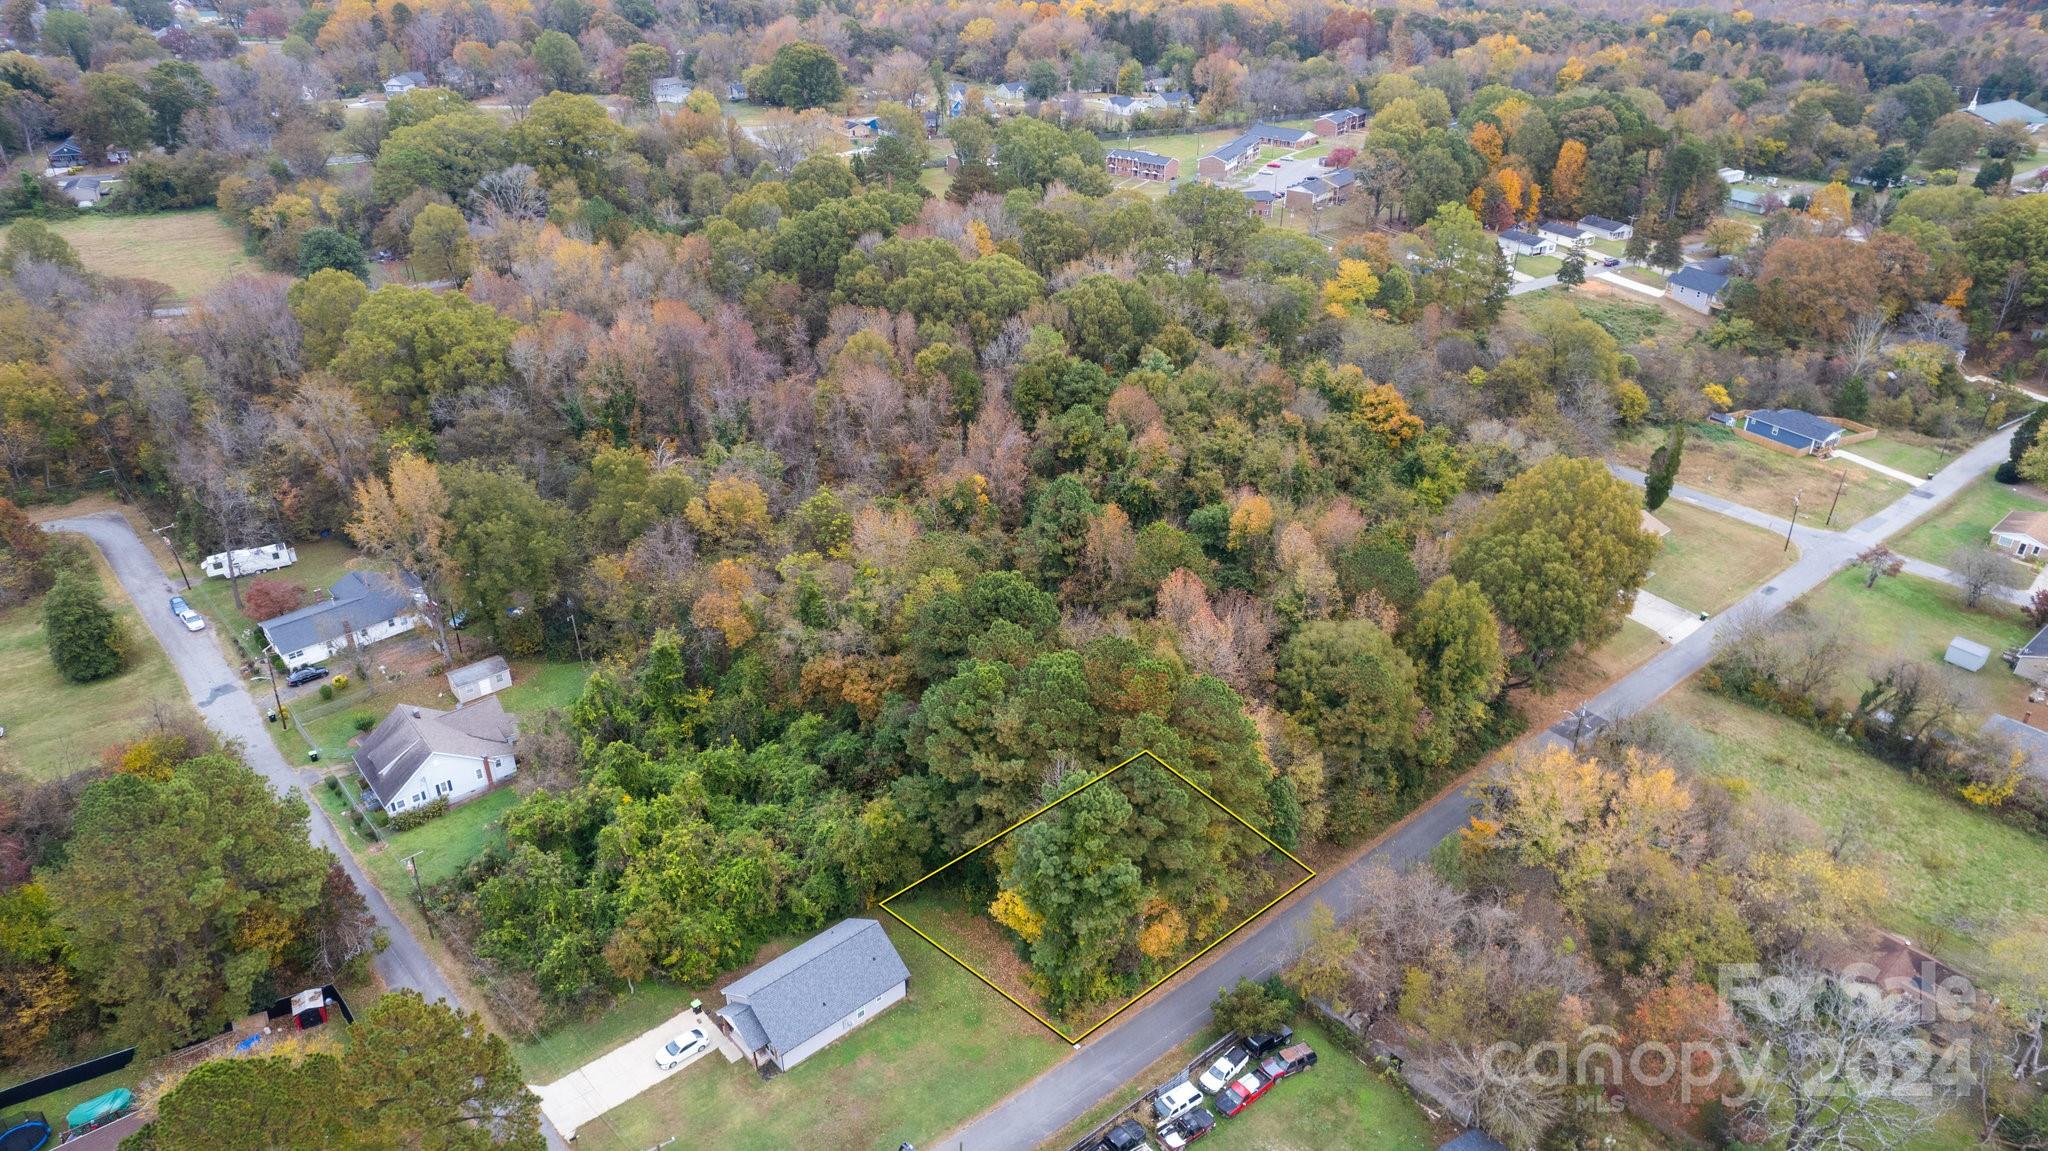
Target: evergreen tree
<point>1663,471</point>
<point>1572,272</point>
<point>83,635</point>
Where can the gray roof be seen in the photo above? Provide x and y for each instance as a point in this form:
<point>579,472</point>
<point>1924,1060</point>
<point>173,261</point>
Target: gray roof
<point>359,600</point>
<point>1315,186</point>
<point>743,1021</point>
<point>2038,645</point>
<point>1260,195</point>
<point>477,672</point>
<point>1559,228</point>
<point>1795,421</point>
<point>2028,738</point>
<point>1699,280</point>
<point>1518,236</point>
<point>1140,155</point>
<point>1715,265</point>
<point>1999,111</point>
<point>396,748</point>
<point>1746,195</point>
<point>1342,113</point>
<point>795,996</point>
<point>1474,1140</point>
<point>1259,134</point>
<point>1340,177</point>
<point>1175,98</point>
<point>1601,222</point>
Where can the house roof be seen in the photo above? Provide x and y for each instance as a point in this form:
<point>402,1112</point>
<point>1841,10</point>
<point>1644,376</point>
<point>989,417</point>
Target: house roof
<point>1474,1140</point>
<point>1139,154</point>
<point>1714,265</point>
<point>2033,525</point>
<point>2031,740</point>
<point>1342,114</point>
<point>1795,421</point>
<point>1999,111</point>
<point>1277,134</point>
<point>478,672</point>
<point>1339,177</point>
<point>397,747</point>
<point>1601,223</point>
<point>1745,195</point>
<point>2037,645</point>
<point>1518,236</point>
<point>359,600</point>
<point>1315,186</point>
<point>70,143</point>
<point>1699,280</point>
<point>1260,195</point>
<point>795,996</point>
<point>1969,647</point>
<point>416,79</point>
<point>1559,228</point>
<point>1175,98</point>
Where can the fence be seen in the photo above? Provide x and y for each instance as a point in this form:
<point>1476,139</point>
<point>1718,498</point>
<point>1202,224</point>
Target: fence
<point>1087,1142</point>
<point>70,1076</point>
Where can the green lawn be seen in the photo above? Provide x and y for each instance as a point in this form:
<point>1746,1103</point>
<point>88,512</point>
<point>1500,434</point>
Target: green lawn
<point>1650,276</point>
<point>1710,560</point>
<point>1965,520</point>
<point>1340,1102</point>
<point>1913,454</point>
<point>1538,266</point>
<point>321,562</point>
<point>56,727</point>
<point>1908,618</point>
<point>443,846</point>
<point>538,685</point>
<point>1628,323</point>
<point>942,1056</point>
<point>570,1046</point>
<point>1950,869</point>
<point>1614,248</point>
<point>188,251</point>
<point>1718,461</point>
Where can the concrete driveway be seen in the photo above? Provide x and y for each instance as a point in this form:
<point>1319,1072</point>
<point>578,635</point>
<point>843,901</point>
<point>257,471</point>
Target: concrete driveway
<point>623,1072</point>
<point>1671,622</point>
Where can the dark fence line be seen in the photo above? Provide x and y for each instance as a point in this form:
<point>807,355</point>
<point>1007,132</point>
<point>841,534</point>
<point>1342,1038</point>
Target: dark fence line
<point>70,1076</point>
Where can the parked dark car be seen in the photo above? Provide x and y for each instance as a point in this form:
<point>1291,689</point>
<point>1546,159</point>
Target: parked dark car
<point>305,675</point>
<point>179,606</point>
<point>1128,1135</point>
<point>1610,262</point>
<point>1288,1061</point>
<point>1271,1040</point>
<point>1178,1133</point>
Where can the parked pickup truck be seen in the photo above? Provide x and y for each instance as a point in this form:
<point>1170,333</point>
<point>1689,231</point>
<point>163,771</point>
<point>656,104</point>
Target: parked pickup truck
<point>1243,1093</point>
<point>1288,1061</point>
<point>1178,1133</point>
<point>1128,1135</point>
<point>1226,1067</point>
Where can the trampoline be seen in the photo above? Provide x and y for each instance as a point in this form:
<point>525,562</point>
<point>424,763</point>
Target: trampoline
<point>24,1131</point>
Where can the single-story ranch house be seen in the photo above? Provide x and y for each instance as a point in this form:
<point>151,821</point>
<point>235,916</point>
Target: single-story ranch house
<point>2023,534</point>
<point>1801,431</point>
<point>1605,228</point>
<point>1516,242</point>
<point>791,1007</point>
<point>1696,287</point>
<point>420,754</point>
<point>365,608</point>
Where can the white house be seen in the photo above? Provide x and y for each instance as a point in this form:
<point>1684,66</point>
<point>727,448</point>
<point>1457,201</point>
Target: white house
<point>2022,533</point>
<point>1732,175</point>
<point>482,678</point>
<point>420,754</point>
<point>363,609</point>
<point>1605,228</point>
<point>791,1007</point>
<point>404,82</point>
<point>1515,242</point>
<point>1565,235</point>
<point>670,89</point>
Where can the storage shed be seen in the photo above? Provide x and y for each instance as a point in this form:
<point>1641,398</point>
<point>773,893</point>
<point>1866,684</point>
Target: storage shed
<point>1967,654</point>
<point>482,678</point>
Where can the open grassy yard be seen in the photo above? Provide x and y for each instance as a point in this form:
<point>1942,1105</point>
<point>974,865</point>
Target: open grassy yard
<point>1720,462</point>
<point>1950,869</point>
<point>1538,266</point>
<point>1650,276</point>
<point>949,1051</point>
<point>1710,560</point>
<point>1965,520</point>
<point>1913,454</point>
<point>189,251</point>
<point>1628,323</point>
<point>56,727</point>
<point>321,562</point>
<point>1908,618</point>
<point>442,846</point>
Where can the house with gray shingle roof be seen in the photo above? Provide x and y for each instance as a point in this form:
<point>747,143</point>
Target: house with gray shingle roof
<point>421,754</point>
<point>791,1007</point>
<point>362,608</point>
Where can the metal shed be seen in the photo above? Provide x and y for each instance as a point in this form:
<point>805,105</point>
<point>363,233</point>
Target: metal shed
<point>1967,654</point>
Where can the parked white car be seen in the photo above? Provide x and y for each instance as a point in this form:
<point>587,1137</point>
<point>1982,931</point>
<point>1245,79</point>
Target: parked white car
<point>192,620</point>
<point>682,1047</point>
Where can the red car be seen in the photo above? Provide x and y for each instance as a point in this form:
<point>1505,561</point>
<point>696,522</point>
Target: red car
<point>1243,1093</point>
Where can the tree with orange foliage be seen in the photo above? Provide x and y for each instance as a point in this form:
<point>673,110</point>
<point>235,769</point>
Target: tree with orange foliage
<point>1684,1018</point>
<point>1488,142</point>
<point>1568,179</point>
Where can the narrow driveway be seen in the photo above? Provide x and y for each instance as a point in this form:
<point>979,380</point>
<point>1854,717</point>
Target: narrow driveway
<point>1671,622</point>
<point>1910,479</point>
<point>219,695</point>
<point>623,1072</point>
<point>1111,1059</point>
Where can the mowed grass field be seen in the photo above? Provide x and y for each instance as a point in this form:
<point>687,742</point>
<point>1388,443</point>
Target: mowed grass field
<point>1718,461</point>
<point>948,1052</point>
<point>188,251</point>
<point>1906,618</point>
<point>1913,454</point>
<point>56,727</point>
<point>1953,873</point>
<point>1965,520</point>
<point>1709,560</point>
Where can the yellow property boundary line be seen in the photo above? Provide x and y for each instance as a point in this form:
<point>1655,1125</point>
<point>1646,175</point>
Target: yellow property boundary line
<point>1075,1040</point>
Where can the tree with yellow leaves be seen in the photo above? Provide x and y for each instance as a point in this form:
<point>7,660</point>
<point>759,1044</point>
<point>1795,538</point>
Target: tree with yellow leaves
<point>1010,910</point>
<point>1488,142</point>
<point>403,520</point>
<point>1568,179</point>
<point>1352,289</point>
<point>1831,208</point>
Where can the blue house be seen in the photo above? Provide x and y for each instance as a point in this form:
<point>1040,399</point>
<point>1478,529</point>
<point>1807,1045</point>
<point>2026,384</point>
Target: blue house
<point>1803,432</point>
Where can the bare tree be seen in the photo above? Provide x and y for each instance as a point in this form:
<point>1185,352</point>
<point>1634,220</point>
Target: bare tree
<point>326,421</point>
<point>1830,1066</point>
<point>1978,570</point>
<point>1510,1097</point>
<point>1864,347</point>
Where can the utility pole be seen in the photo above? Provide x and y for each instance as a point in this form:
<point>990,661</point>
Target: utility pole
<point>1794,522</point>
<point>160,534</point>
<point>1841,481</point>
<point>413,870</point>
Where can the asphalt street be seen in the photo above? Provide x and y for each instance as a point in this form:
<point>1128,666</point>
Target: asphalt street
<point>1109,1061</point>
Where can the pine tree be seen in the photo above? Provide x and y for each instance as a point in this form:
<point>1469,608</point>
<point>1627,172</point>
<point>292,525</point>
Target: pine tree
<point>82,632</point>
<point>1663,471</point>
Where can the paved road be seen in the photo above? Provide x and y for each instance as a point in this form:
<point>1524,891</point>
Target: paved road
<point>228,708</point>
<point>1109,1061</point>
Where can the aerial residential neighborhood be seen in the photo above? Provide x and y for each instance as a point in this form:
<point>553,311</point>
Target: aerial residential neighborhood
<point>987,577</point>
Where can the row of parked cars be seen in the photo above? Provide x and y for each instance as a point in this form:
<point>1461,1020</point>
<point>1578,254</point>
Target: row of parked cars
<point>1240,1075</point>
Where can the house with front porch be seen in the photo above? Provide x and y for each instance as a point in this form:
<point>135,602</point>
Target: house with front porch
<point>2023,534</point>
